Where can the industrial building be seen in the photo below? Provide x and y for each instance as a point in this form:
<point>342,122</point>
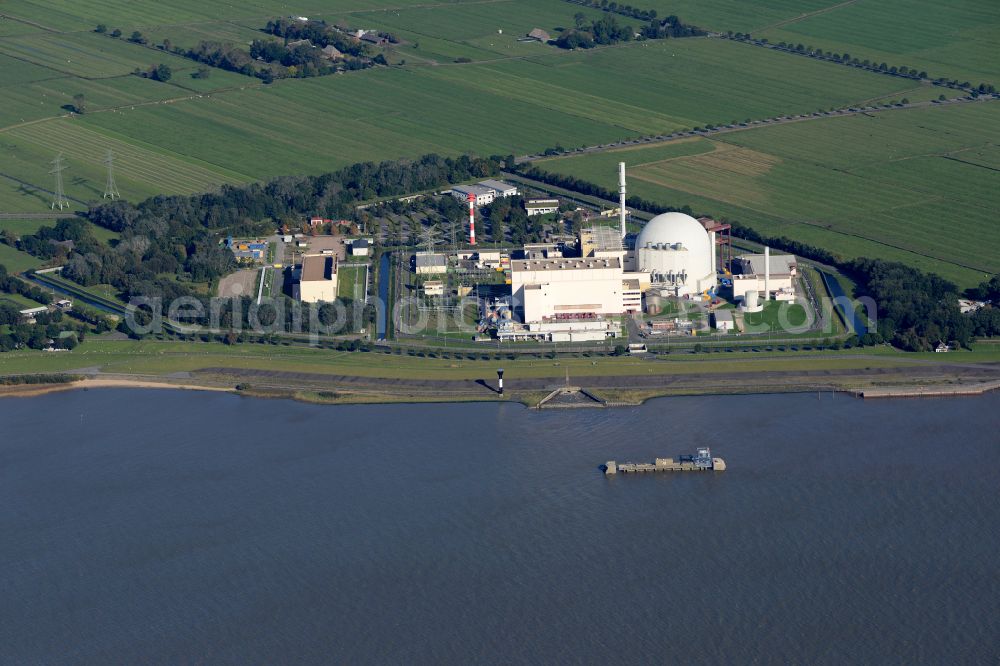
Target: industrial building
<point>430,263</point>
<point>541,206</point>
<point>485,191</point>
<point>483,195</point>
<point>359,247</point>
<point>318,279</point>
<point>600,241</point>
<point>557,288</point>
<point>723,320</point>
<point>771,276</point>
<point>501,188</point>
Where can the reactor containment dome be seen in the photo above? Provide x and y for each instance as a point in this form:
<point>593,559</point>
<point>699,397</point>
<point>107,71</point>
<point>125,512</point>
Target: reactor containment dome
<point>678,253</point>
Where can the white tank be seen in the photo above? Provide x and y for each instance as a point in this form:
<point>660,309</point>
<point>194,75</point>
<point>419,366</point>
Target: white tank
<point>751,301</point>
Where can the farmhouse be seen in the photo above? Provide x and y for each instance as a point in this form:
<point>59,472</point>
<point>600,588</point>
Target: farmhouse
<point>300,42</point>
<point>374,38</point>
<point>540,35</point>
<point>331,53</point>
<point>318,279</point>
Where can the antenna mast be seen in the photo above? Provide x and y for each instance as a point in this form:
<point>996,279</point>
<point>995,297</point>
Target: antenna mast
<point>58,166</point>
<point>111,189</point>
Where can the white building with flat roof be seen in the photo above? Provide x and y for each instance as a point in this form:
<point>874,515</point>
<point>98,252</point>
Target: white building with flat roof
<point>541,206</point>
<point>484,195</point>
<point>318,279</point>
<point>560,288</point>
<point>501,188</point>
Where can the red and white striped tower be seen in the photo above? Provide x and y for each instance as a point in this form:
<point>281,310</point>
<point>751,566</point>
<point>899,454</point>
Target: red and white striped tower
<point>472,219</point>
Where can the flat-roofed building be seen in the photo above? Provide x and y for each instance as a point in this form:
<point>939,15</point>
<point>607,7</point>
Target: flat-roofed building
<point>433,288</point>
<point>723,320</point>
<point>359,247</point>
<point>501,188</point>
<point>600,239</point>
<point>751,274</point>
<point>318,279</point>
<point>484,195</point>
<point>549,288</point>
<point>541,206</point>
<point>430,263</point>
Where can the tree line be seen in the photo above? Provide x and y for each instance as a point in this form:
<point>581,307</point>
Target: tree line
<point>866,64</point>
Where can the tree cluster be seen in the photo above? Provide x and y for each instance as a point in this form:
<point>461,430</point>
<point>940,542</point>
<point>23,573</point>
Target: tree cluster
<point>507,215</point>
<point>322,34</point>
<point>602,31</point>
<point>916,310</point>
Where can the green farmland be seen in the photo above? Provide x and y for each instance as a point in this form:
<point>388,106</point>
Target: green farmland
<point>875,185</point>
<point>916,185</point>
<point>171,139</point>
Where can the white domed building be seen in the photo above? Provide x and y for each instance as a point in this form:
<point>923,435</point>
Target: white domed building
<point>678,253</point>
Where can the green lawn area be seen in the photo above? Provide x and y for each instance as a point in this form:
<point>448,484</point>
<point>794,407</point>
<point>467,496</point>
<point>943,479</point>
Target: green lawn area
<point>161,358</point>
<point>954,40</point>
<point>22,302</point>
<point>17,261</point>
<point>913,185</point>
<point>350,281</point>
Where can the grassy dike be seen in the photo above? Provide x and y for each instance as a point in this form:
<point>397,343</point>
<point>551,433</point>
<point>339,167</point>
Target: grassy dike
<point>324,376</point>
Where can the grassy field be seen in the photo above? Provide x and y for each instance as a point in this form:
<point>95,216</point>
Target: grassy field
<point>157,358</point>
<point>350,281</point>
<point>889,184</point>
<point>16,261</point>
<point>875,186</point>
<point>955,40</point>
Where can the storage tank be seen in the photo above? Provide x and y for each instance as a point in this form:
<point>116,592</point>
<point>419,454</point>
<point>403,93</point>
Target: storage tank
<point>751,301</point>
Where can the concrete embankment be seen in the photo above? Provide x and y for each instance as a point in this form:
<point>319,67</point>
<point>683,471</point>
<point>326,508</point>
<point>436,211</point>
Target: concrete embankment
<point>929,391</point>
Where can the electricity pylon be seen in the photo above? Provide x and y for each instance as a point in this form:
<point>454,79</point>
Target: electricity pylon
<point>110,189</point>
<point>58,166</point>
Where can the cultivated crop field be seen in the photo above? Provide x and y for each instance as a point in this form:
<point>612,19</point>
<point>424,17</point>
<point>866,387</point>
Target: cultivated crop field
<point>877,185</point>
<point>915,185</point>
<point>950,39</point>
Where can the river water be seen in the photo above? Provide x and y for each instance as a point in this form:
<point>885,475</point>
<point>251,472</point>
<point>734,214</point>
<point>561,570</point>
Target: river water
<point>165,527</point>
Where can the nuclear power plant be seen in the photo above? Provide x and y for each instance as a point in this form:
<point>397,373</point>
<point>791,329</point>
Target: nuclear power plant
<point>566,291</point>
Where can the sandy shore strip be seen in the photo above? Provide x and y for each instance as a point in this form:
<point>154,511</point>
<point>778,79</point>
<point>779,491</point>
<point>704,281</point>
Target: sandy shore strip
<point>31,390</point>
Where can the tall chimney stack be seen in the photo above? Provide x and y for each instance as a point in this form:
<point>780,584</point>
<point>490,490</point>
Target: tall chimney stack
<point>767,273</point>
<point>621,196</point>
<point>472,218</point>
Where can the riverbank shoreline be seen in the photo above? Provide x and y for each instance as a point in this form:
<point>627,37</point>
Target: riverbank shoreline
<point>604,397</point>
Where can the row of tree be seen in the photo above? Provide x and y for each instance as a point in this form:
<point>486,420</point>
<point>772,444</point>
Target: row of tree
<point>866,64</point>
